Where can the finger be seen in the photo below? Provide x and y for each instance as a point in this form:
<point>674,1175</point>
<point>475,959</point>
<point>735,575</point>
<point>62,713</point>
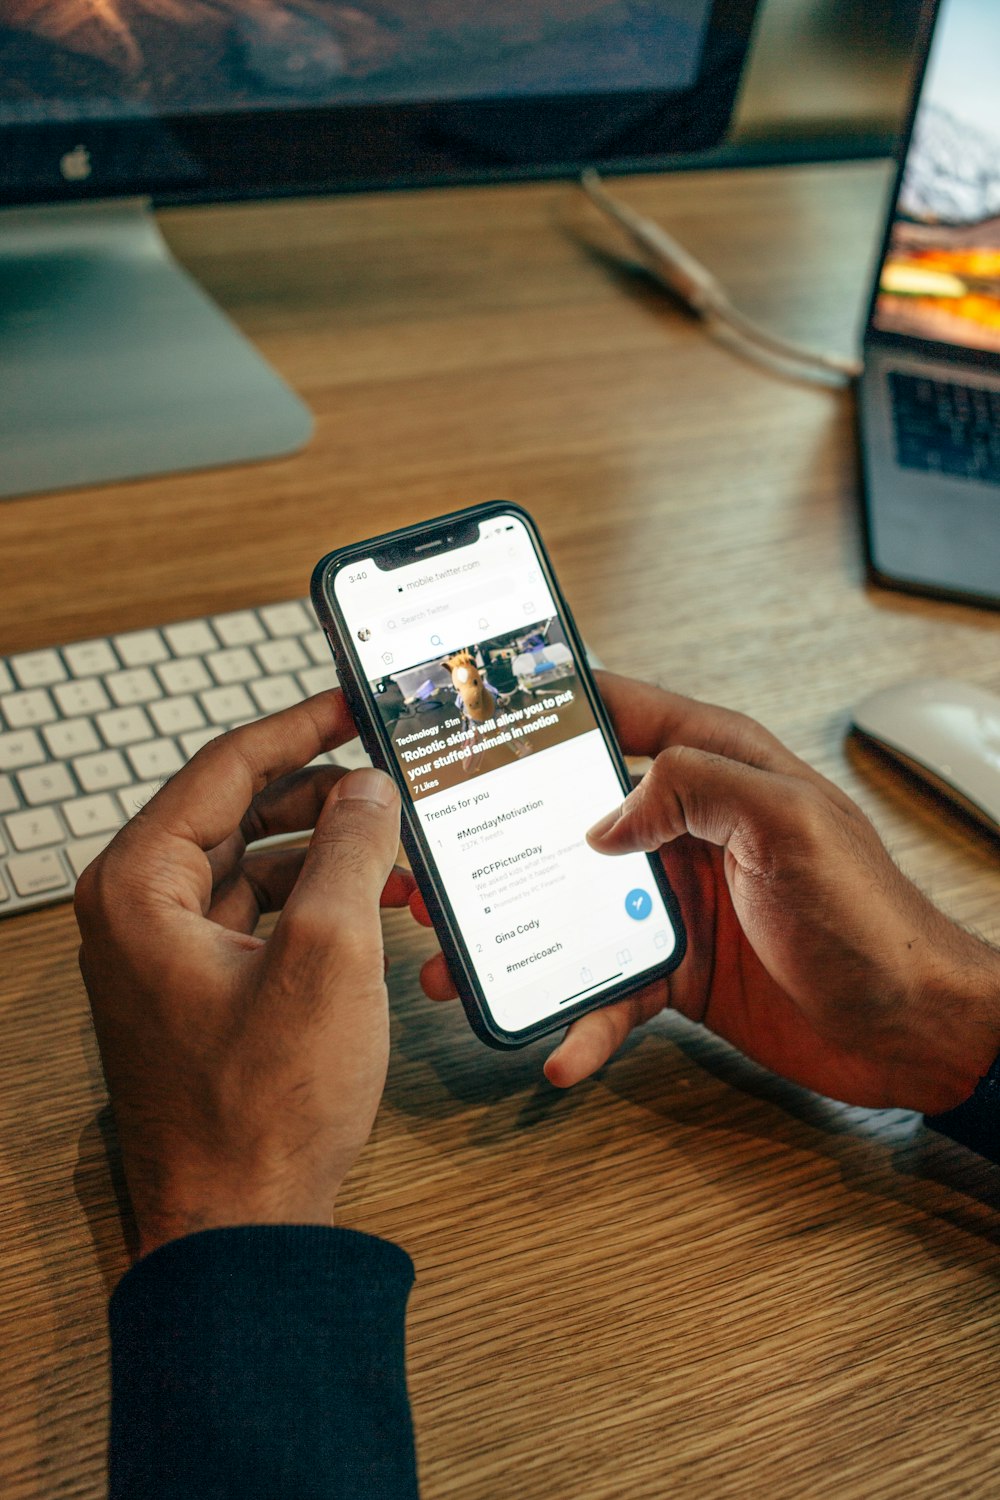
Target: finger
<point>418,907</point>
<point>205,802</point>
<point>264,880</point>
<point>333,910</point>
<point>596,1037</point>
<point>261,883</point>
<point>224,864</point>
<point>720,801</point>
<point>648,719</point>
<point>271,873</point>
<point>399,887</point>
<point>436,981</point>
<point>288,806</point>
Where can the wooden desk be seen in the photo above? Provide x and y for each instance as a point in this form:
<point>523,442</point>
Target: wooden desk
<point>684,1277</point>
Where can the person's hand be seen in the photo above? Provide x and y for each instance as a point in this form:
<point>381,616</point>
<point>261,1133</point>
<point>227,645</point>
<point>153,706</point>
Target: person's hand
<point>807,947</point>
<point>245,1074</point>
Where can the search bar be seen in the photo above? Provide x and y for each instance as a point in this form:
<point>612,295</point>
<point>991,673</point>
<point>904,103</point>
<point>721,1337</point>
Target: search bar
<point>444,611</point>
<point>422,633</point>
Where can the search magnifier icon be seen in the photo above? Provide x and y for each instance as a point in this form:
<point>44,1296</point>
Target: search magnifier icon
<point>435,640</point>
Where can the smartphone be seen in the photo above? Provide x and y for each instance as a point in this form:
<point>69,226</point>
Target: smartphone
<point>469,685</point>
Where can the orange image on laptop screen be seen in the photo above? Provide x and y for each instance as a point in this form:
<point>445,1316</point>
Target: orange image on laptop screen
<point>941,276</point>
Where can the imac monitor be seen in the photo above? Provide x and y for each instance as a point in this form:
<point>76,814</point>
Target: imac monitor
<point>113,363</point>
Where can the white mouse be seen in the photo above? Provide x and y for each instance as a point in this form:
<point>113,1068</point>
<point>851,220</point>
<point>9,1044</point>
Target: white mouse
<point>947,733</point>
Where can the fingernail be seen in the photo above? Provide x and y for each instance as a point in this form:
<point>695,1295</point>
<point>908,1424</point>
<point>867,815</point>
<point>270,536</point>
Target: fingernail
<point>367,786</point>
<point>604,825</point>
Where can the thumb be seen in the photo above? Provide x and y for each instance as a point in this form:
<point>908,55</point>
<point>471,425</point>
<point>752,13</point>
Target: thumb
<point>335,902</point>
<point>719,800</point>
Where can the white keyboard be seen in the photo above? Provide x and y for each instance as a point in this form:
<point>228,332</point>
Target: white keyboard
<point>89,731</point>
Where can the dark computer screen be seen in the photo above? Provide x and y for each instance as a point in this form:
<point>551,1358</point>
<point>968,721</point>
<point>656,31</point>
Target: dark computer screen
<point>221,98</point>
<point>130,57</point>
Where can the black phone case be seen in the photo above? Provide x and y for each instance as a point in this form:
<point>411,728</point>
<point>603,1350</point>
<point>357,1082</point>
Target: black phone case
<point>445,924</point>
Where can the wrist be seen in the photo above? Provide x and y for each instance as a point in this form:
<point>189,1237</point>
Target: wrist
<point>181,1205</point>
<point>957,1030</point>
<point>976,1121</point>
<point>163,1227</point>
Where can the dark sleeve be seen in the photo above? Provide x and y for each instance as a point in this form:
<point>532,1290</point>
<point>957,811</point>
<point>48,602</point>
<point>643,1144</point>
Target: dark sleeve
<point>976,1123</point>
<point>262,1362</point>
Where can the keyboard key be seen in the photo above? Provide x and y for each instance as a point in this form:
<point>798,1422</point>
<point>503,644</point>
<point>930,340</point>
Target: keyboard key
<point>89,815</point>
<point>24,710</point>
<point>274,693</point>
<point>7,683</point>
<point>175,715</point>
<point>239,629</point>
<point>286,619</point>
<point>69,737</point>
<point>228,705</point>
<point>236,665</point>
<point>285,655</point>
<point>318,679</point>
<point>37,668</point>
<point>103,772</point>
<point>318,647</point>
<point>83,852</point>
<point>34,830</point>
<point>191,638</point>
<point>156,758</point>
<point>78,698</point>
<point>192,742</point>
<point>136,686</point>
<point>9,800</point>
<point>124,726</point>
<point>90,658</point>
<point>41,784</point>
<point>141,648</point>
<point>134,798</point>
<point>33,874</point>
<point>18,750</point>
<point>188,676</point>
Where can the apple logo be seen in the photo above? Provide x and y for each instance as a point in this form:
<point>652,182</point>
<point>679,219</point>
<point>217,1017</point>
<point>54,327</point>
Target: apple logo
<point>75,165</point>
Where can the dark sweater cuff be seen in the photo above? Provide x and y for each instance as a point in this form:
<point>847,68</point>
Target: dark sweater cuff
<point>976,1123</point>
<point>262,1361</point>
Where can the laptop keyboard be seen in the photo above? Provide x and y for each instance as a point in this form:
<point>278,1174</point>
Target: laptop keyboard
<point>89,731</point>
<point>945,428</point>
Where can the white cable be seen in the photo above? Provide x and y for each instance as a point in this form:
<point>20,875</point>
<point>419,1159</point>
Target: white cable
<point>699,290</point>
<point>786,349</point>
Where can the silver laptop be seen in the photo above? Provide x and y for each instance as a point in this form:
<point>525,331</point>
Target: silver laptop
<point>929,398</point>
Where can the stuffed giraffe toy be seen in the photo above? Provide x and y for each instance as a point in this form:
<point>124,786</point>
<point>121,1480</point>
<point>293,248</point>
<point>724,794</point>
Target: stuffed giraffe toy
<point>478,703</point>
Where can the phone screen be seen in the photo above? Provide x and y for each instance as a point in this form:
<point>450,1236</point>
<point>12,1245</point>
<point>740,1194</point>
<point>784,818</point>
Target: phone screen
<point>473,675</point>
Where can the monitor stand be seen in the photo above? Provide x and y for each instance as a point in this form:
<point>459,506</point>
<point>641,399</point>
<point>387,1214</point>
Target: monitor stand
<point>114,364</point>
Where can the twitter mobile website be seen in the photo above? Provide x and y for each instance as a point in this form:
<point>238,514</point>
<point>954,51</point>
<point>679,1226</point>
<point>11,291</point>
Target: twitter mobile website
<point>507,769</point>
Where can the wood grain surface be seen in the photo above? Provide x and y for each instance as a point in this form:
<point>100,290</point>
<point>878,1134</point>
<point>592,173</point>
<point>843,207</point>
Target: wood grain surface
<point>685,1277</point>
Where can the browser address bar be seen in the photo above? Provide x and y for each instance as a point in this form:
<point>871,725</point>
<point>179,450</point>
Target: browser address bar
<point>432,611</point>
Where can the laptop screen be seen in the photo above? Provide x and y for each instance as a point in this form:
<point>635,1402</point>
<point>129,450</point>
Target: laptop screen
<point>940,280</point>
